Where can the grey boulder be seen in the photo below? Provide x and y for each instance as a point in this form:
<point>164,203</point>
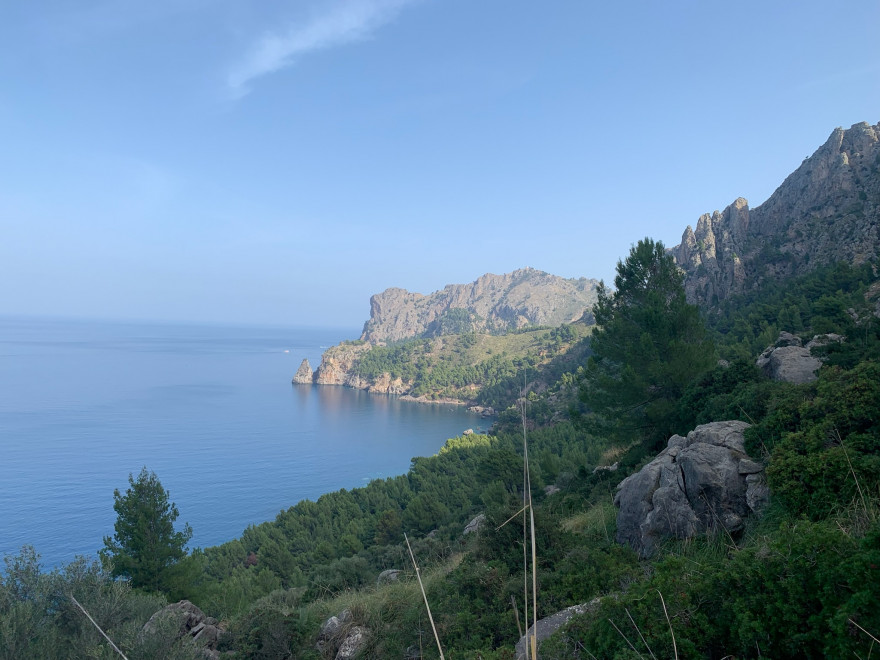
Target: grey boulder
<point>702,483</point>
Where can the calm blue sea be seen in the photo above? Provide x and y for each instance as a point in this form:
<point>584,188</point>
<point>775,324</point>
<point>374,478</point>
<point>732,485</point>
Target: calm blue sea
<point>210,409</point>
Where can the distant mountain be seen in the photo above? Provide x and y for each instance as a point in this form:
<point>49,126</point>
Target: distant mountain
<point>491,304</point>
<point>826,211</point>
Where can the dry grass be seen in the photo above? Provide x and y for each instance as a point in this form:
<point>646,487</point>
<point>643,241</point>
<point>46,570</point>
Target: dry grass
<point>613,454</point>
<point>598,522</point>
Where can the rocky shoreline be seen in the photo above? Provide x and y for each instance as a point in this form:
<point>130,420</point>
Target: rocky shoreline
<point>306,376</point>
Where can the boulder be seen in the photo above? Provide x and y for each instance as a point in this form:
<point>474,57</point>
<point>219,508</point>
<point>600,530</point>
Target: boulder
<point>190,621</point>
<point>702,483</point>
<point>390,575</point>
<point>475,525</point>
<point>340,634</point>
<point>354,641</point>
<point>787,360</point>
<point>303,375</point>
<point>549,625</point>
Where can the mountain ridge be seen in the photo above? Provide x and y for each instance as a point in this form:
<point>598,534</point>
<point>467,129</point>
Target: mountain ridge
<point>827,210</point>
<point>491,303</point>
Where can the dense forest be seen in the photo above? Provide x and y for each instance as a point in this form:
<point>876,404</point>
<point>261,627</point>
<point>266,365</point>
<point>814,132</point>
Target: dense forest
<point>800,581</point>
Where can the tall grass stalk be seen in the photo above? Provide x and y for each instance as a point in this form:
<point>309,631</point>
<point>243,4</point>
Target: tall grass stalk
<point>620,632</point>
<point>853,472</point>
<point>533,637</point>
<point>864,631</point>
<point>424,595</point>
<point>642,637</point>
<point>671,631</point>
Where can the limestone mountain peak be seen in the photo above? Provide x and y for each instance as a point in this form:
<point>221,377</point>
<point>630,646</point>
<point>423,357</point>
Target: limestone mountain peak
<point>827,210</point>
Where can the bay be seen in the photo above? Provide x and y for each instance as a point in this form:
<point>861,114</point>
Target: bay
<point>210,409</point>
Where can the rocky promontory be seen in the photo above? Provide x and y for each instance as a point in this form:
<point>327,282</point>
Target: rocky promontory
<point>464,329</point>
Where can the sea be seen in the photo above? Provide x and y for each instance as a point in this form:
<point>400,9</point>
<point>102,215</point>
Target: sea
<point>210,409</point>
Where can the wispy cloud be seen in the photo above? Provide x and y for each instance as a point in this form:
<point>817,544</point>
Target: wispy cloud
<point>348,21</point>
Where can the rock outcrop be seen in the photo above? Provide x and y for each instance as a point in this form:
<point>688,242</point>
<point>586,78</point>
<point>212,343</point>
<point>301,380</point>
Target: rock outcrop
<point>389,575</point>
<point>190,622</point>
<point>475,525</point>
<point>702,483</point>
<point>549,625</point>
<point>492,303</point>
<point>338,364</point>
<point>341,638</point>
<point>790,361</point>
<point>304,375</point>
<point>827,210</point>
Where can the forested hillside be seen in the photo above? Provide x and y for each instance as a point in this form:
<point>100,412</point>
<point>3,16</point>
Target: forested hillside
<point>475,368</point>
<point>799,581</point>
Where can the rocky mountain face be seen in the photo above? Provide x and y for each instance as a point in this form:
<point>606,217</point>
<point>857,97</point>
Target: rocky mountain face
<point>827,210</point>
<point>493,303</point>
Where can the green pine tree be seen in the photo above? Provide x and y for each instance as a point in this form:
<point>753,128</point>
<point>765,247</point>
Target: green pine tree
<point>145,548</point>
<point>649,344</point>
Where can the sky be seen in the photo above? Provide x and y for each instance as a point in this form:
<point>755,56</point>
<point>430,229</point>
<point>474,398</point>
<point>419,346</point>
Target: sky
<point>278,162</point>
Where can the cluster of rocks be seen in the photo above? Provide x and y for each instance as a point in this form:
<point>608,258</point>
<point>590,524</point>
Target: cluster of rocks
<point>190,622</point>
<point>702,483</point>
<point>483,411</point>
<point>340,638</point>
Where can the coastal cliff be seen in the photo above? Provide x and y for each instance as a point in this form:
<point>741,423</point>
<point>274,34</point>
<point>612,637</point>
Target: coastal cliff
<point>490,304</point>
<point>453,343</point>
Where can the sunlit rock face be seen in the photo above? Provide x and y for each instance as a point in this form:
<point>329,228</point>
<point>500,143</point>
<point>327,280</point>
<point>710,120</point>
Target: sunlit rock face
<point>492,303</point>
<point>826,211</point>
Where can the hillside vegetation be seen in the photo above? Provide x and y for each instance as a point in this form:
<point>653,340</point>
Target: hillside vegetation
<point>801,581</point>
<point>483,369</point>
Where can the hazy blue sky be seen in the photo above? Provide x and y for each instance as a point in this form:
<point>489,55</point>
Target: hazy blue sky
<point>279,161</point>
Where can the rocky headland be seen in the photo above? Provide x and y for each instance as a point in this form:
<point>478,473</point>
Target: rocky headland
<point>448,323</point>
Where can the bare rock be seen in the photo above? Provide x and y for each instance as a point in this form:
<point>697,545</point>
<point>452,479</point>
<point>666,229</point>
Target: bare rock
<point>826,211</point>
<point>475,525</point>
<point>549,625</point>
<point>787,360</point>
<point>606,468</point>
<point>190,622</point>
<point>701,483</point>
<point>390,575</point>
<point>341,637</point>
<point>303,375</point>
<point>492,303</point>
<point>338,365</point>
<point>791,364</point>
<point>483,411</point>
<point>823,340</point>
<point>354,641</point>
